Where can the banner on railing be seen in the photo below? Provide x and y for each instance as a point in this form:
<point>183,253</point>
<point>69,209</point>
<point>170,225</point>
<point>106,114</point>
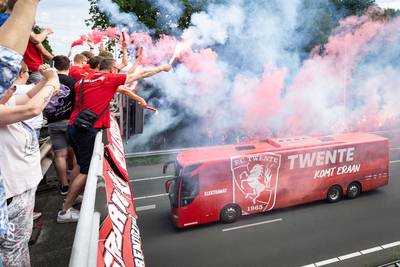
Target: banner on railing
<point>115,148</point>
<point>119,237</point>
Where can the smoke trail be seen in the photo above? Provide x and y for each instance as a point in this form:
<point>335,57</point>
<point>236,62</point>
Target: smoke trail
<point>168,14</point>
<point>122,19</point>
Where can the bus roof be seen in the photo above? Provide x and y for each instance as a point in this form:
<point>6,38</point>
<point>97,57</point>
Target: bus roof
<point>217,153</point>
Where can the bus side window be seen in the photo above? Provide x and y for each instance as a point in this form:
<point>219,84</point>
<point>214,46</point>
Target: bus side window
<point>189,190</point>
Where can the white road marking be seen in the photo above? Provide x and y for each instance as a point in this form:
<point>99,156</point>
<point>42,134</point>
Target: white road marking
<point>349,256</point>
<point>152,196</point>
<point>151,178</point>
<point>390,245</point>
<point>326,262</point>
<point>355,254</point>
<point>370,250</point>
<point>148,207</point>
<point>250,225</point>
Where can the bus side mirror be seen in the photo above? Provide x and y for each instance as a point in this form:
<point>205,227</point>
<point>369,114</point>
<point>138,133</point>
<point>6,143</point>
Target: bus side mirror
<point>165,167</point>
<point>167,185</point>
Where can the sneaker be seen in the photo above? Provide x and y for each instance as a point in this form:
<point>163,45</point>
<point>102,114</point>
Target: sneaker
<point>36,215</point>
<point>64,190</point>
<point>70,215</point>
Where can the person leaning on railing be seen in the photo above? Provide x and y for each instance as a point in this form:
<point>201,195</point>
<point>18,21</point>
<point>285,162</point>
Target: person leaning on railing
<point>18,192</point>
<point>94,93</point>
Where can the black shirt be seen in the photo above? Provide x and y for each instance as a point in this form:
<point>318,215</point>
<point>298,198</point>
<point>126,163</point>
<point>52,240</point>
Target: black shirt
<point>61,105</point>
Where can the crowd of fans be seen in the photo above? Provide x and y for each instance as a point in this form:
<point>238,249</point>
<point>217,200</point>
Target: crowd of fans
<point>74,101</point>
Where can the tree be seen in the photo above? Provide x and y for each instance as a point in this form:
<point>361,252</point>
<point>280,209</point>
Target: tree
<point>353,7</point>
<point>146,12</point>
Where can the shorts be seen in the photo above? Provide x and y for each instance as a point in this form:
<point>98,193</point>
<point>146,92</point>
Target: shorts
<point>14,249</point>
<point>58,134</point>
<point>82,142</point>
<point>10,64</point>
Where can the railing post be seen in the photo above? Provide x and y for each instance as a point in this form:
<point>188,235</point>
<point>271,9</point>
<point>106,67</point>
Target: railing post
<point>82,249</point>
<point>92,261</point>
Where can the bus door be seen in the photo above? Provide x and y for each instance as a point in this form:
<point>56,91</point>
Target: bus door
<point>189,202</point>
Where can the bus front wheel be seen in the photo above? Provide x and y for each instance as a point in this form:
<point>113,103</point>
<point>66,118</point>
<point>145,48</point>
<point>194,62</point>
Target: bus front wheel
<point>335,194</point>
<point>230,213</point>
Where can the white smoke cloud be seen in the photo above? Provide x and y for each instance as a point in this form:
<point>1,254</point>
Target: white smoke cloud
<point>169,13</point>
<point>212,27</point>
<point>122,19</point>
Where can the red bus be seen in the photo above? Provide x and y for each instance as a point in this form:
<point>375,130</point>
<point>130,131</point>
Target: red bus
<point>223,183</point>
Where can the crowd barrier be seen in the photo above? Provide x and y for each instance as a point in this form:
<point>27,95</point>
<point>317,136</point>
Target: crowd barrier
<point>107,233</point>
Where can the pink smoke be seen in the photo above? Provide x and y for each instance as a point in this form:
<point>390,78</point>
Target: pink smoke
<point>78,42</point>
<point>273,105</point>
<point>263,104</point>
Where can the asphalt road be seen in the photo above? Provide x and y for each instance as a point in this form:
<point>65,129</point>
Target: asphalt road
<point>308,234</point>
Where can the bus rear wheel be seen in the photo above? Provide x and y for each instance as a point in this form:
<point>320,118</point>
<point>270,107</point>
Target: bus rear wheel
<point>335,194</point>
<point>354,190</point>
<point>230,213</point>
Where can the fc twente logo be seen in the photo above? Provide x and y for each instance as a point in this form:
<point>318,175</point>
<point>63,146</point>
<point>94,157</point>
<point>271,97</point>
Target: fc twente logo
<point>255,181</point>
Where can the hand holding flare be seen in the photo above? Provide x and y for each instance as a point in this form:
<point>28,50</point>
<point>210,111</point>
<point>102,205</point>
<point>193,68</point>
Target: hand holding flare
<point>122,89</point>
<point>179,49</point>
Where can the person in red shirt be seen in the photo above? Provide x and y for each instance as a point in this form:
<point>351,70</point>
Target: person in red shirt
<point>97,89</point>
<point>78,69</point>
<point>94,64</point>
<point>34,54</point>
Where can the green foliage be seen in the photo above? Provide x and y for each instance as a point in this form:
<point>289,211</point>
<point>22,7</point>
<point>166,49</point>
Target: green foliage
<point>189,10</point>
<point>327,18</point>
<point>98,19</point>
<point>391,13</point>
<point>353,7</point>
<point>146,13</point>
<point>320,28</point>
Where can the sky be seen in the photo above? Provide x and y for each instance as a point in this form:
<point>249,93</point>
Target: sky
<point>67,19</point>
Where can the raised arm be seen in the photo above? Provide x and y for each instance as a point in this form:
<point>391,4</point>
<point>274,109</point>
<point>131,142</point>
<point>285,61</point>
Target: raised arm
<point>147,73</point>
<point>15,32</point>
<point>132,96</point>
<point>138,61</point>
<point>124,62</point>
<point>15,113</point>
<point>38,38</point>
<point>46,54</point>
<point>24,98</point>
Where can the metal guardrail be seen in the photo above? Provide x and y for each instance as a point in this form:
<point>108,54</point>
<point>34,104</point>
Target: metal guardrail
<point>154,153</point>
<point>176,151</point>
<point>391,264</point>
<point>84,249</point>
